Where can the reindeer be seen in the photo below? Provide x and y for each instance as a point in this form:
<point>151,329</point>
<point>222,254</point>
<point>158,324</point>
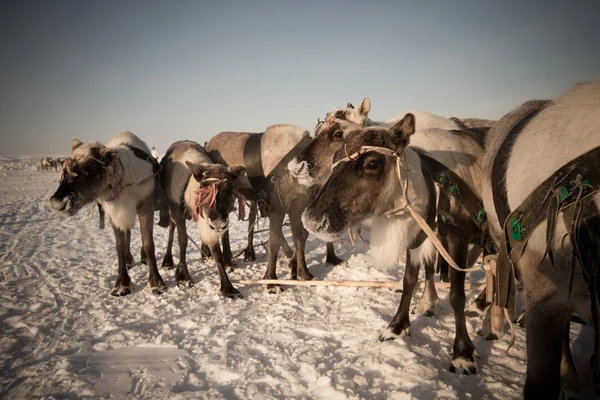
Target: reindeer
<point>545,220</point>
<point>313,166</point>
<point>122,178</point>
<point>284,197</point>
<point>198,188</point>
<point>365,185</point>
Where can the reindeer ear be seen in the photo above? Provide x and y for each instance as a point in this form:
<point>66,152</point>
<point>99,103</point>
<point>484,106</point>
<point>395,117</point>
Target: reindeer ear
<point>75,143</point>
<point>349,105</point>
<point>108,155</point>
<point>236,172</point>
<point>402,130</point>
<point>365,107</point>
<point>198,170</point>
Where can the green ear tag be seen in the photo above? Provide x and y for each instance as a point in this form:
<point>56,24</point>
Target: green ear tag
<point>516,230</point>
<point>563,193</point>
<point>481,215</point>
<point>452,189</point>
<point>443,179</point>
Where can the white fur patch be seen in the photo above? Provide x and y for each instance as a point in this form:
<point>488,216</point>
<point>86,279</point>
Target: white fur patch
<point>319,228</point>
<point>299,170</point>
<point>387,334</point>
<point>208,235</point>
<point>390,239</point>
<point>463,363</point>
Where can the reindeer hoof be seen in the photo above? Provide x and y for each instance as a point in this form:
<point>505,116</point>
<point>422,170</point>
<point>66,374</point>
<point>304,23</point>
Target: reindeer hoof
<point>129,261</point>
<point>168,262</point>
<point>390,333</point>
<point>249,256</point>
<point>491,336</point>
<point>121,291</point>
<point>229,268</point>
<point>467,366</point>
<point>231,294</point>
<point>158,289</point>
<point>305,277</point>
<point>274,289</point>
<point>183,284</point>
<point>334,261</point>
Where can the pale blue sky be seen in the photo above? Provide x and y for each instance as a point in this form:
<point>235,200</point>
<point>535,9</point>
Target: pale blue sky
<point>172,70</point>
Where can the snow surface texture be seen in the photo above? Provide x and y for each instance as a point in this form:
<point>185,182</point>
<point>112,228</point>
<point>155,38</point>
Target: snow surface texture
<point>64,336</point>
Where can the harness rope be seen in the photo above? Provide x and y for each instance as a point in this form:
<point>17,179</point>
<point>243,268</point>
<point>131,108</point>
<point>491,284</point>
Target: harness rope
<point>205,196</point>
<point>404,199</point>
<point>114,176</point>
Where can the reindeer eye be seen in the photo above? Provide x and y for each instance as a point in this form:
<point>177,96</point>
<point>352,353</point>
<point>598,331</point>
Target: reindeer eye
<point>373,164</point>
<point>92,171</point>
<point>338,134</point>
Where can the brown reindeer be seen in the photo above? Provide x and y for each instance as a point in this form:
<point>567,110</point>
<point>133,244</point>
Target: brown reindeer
<point>198,188</point>
<point>364,184</point>
<point>285,197</point>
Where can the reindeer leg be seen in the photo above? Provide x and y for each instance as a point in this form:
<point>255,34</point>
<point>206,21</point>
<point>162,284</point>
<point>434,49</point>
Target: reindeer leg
<point>227,255</point>
<point>227,289</point>
<point>463,351</point>
<point>286,249</point>
<point>479,305</point>
<point>182,275</point>
<point>331,257</point>
<point>168,262</point>
<point>146,216</point>
<point>400,325</point>
<point>249,254</point>
<point>300,235</point>
<point>568,372</point>
<point>205,252</point>
<point>123,283</point>
<point>547,320</point>
<point>493,323</point>
<point>143,256</point>
<point>100,216</point>
<point>430,298</point>
<point>275,222</point>
<point>128,256</point>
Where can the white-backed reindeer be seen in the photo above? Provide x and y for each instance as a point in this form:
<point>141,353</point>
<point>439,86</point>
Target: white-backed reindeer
<point>541,192</point>
<point>123,182</point>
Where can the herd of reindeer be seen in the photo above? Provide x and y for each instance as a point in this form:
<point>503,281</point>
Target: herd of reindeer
<point>523,191</point>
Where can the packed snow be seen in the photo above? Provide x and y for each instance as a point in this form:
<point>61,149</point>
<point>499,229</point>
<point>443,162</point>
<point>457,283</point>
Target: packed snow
<point>65,336</point>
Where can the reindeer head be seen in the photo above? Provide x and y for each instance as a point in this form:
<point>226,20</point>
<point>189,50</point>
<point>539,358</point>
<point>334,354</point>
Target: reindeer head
<point>362,182</point>
<point>214,197</point>
<point>355,115</point>
<point>84,177</point>
<point>313,165</point>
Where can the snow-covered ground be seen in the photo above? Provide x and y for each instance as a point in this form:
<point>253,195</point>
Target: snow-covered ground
<point>64,336</point>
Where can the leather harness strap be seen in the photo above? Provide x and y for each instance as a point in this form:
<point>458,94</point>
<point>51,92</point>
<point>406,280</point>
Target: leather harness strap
<point>453,185</point>
<point>253,161</point>
<point>500,165</point>
<point>431,205</point>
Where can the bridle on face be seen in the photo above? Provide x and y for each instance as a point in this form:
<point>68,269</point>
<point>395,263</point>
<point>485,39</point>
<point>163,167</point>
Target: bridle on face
<point>405,204</point>
<point>205,196</point>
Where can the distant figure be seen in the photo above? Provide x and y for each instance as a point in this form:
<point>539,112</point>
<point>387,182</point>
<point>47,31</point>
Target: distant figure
<point>155,153</point>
